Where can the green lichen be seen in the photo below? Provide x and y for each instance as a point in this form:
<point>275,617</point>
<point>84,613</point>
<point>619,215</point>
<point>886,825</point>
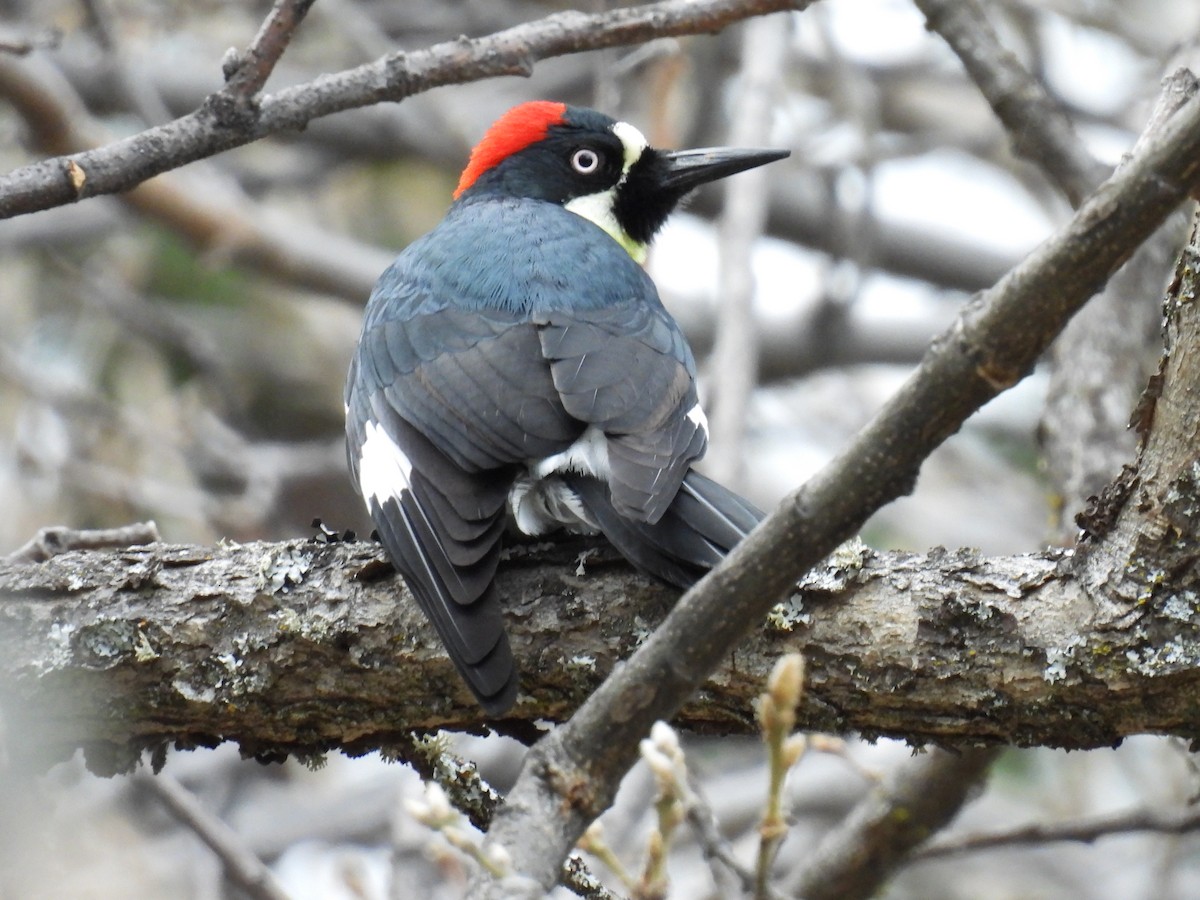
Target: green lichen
<point>785,616</point>
<point>143,650</point>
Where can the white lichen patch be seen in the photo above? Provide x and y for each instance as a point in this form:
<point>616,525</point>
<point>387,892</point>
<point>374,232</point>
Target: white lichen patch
<point>278,572</point>
<point>839,569</point>
<point>1057,659</point>
<point>1176,653</point>
<point>194,693</point>
<point>1181,607</point>
<point>287,620</point>
<point>59,640</point>
<point>584,661</point>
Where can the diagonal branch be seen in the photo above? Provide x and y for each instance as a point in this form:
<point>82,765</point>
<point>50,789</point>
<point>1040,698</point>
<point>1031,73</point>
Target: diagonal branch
<point>993,344</point>
<point>246,73</point>
<point>241,866</point>
<point>1039,128</point>
<point>863,852</point>
<point>209,130</point>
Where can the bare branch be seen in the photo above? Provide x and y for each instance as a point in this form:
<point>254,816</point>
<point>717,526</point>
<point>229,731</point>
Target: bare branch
<point>735,353</point>
<point>123,164</point>
<point>20,44</point>
<point>302,647</point>
<point>1085,831</point>
<point>51,541</point>
<point>241,866</point>
<point>1038,127</point>
<point>863,852</point>
<point>216,219</point>
<point>246,73</point>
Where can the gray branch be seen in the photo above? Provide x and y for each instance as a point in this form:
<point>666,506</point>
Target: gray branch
<point>223,122</point>
<point>302,647</point>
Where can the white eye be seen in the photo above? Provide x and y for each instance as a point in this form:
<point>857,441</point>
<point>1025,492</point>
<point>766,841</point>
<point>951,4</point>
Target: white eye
<point>585,161</point>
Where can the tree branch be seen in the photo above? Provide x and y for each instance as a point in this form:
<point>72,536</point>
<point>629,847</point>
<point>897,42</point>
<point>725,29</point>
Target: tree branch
<point>735,350</point>
<point>1089,830</point>
<point>214,128</point>
<point>241,866</point>
<point>246,73</point>
<point>1039,128</point>
<point>863,852</point>
<point>302,647</point>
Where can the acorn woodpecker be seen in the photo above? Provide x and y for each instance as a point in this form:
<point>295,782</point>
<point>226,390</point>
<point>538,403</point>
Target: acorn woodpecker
<point>516,364</point>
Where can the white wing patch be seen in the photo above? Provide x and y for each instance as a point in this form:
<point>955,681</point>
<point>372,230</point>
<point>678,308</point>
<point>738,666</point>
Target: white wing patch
<point>383,469</point>
<point>696,417</point>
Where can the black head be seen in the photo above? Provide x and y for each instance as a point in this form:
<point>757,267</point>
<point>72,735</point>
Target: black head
<point>595,166</point>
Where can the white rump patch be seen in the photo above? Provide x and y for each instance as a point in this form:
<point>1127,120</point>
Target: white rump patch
<point>587,456</point>
<point>696,417</point>
<point>541,502</point>
<point>383,469</point>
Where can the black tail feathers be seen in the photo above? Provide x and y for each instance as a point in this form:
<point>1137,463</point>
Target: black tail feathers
<point>702,524</point>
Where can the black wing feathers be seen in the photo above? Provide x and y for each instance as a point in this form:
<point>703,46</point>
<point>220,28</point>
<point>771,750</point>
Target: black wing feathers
<point>704,523</point>
<point>626,369</point>
<point>436,384</point>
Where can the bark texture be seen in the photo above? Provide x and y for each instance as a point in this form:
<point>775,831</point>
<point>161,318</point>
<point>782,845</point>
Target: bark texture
<point>302,647</point>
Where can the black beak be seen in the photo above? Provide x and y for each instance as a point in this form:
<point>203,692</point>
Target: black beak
<point>687,169</point>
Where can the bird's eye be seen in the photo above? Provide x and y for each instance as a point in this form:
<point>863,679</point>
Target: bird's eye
<point>585,161</point>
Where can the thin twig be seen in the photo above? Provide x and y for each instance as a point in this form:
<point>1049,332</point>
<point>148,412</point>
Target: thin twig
<point>217,219</point>
<point>735,353</point>
<point>241,866</point>
<point>1084,831</point>
<point>713,844</point>
<point>18,44</point>
<point>56,539</point>
<point>880,832</point>
<point>1039,128</point>
<point>777,719</point>
<point>246,73</point>
<point>139,93</point>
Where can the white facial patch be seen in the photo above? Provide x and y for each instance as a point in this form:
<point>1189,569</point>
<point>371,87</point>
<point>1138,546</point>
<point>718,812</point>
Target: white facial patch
<point>598,208</point>
<point>634,143</point>
<point>383,469</point>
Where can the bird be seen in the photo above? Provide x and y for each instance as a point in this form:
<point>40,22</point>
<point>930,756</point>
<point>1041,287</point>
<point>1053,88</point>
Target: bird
<point>517,368</point>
